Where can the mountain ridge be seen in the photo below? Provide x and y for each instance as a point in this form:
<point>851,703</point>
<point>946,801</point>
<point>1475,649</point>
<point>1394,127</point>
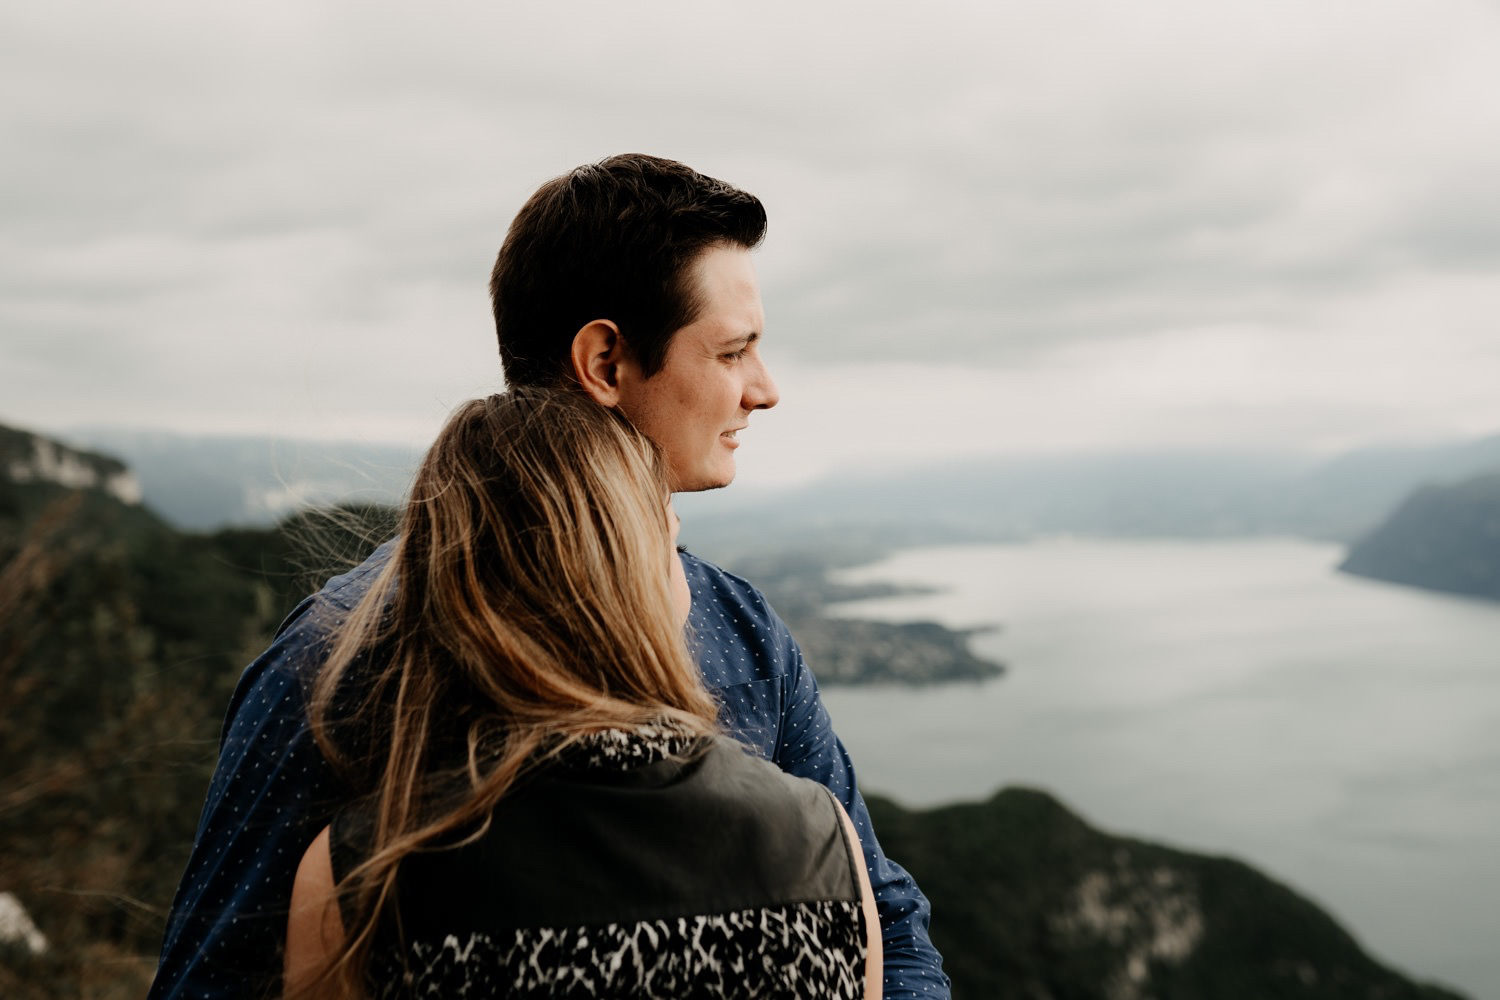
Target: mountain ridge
<point>206,482</point>
<point>1443,537</point>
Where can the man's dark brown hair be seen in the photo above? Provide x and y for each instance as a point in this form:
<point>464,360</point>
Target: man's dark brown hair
<point>611,240</point>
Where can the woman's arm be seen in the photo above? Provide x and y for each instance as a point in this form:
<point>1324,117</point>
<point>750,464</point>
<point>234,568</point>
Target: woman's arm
<point>314,929</point>
<point>874,961</point>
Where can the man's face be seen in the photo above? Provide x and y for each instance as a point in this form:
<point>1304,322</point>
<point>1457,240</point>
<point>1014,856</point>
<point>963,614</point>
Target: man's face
<point>712,378</point>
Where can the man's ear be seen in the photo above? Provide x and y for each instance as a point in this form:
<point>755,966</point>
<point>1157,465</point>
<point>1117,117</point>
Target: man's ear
<point>598,352</point>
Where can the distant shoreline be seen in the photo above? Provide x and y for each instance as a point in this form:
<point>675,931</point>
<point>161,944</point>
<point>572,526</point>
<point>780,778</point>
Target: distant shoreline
<point>848,650</point>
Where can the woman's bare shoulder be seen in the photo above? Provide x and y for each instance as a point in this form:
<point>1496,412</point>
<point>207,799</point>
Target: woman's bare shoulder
<point>314,929</point>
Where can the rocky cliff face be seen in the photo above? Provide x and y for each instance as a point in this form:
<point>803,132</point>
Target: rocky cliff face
<point>30,458</point>
<point>16,927</point>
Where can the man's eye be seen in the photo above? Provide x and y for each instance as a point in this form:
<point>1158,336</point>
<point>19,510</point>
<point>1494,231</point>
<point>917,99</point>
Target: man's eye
<point>736,355</point>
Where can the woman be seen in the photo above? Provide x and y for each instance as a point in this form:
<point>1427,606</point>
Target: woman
<point>553,810</point>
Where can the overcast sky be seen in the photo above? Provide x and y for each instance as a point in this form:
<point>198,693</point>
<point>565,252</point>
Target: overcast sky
<point>995,228</point>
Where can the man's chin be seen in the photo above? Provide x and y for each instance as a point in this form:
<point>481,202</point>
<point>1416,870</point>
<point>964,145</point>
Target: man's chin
<point>701,484</point>
<point>704,486</point>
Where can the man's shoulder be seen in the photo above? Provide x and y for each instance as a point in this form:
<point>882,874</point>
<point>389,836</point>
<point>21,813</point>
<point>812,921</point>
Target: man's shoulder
<point>320,612</point>
<point>716,585</point>
<point>347,589</point>
<point>739,639</point>
<point>303,638</point>
<point>276,682</point>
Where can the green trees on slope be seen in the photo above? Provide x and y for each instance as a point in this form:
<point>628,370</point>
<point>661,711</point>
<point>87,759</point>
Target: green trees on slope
<point>1031,902</point>
<point>121,640</point>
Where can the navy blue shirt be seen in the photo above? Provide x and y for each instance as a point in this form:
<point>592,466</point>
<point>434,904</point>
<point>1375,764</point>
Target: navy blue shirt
<point>273,790</point>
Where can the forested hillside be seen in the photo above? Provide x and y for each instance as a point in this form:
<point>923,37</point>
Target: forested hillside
<point>120,642</point>
<point>121,639</point>
<point>1443,537</point>
<point>1031,902</point>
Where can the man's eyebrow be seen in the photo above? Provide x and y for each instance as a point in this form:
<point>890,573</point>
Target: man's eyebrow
<point>744,339</point>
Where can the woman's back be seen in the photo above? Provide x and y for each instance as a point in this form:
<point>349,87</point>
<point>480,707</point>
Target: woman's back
<point>637,865</point>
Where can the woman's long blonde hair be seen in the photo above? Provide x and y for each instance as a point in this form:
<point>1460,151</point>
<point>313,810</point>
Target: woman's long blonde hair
<point>526,603</point>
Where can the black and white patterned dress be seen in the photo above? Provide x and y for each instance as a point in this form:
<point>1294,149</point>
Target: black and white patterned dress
<point>642,864</point>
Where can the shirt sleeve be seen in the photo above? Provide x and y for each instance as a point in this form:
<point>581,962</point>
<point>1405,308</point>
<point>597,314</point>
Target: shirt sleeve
<point>271,792</point>
<point>808,747</point>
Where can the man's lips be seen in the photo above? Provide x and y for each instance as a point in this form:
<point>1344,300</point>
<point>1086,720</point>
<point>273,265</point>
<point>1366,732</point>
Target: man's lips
<point>731,436</point>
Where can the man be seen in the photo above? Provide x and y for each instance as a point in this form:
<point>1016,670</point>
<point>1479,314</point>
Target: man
<point>630,279</point>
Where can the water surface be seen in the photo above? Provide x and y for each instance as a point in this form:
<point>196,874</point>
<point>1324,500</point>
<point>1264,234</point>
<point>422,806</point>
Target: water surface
<point>1236,698</point>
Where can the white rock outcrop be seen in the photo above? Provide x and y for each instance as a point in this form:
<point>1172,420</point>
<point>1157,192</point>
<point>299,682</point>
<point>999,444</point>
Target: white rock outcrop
<point>16,926</point>
<point>51,463</point>
<point>1150,915</point>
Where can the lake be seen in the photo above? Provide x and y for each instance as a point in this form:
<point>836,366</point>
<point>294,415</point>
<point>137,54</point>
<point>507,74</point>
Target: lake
<point>1228,697</point>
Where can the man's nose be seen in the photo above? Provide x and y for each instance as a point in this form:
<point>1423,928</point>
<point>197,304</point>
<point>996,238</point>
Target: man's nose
<point>761,392</point>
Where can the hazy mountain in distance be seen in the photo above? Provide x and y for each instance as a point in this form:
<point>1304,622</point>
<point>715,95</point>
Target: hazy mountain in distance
<point>1355,491</point>
<point>205,482</point>
<point>1444,537</point>
<point>1002,499</point>
<point>1144,495</point>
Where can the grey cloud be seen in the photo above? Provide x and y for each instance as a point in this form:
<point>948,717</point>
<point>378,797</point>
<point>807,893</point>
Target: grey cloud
<point>1456,224</point>
<point>983,182</point>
